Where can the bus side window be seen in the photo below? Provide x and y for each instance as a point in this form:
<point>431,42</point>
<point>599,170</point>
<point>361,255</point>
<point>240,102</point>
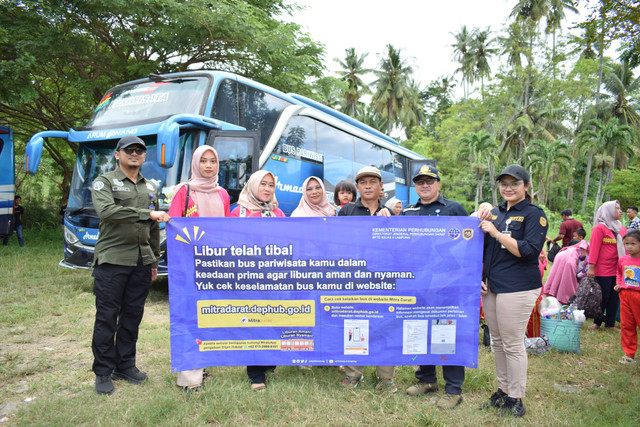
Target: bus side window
<point>251,108</point>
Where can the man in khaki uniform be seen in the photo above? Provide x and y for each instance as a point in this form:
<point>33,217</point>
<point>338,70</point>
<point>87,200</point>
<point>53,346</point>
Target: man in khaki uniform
<point>125,263</point>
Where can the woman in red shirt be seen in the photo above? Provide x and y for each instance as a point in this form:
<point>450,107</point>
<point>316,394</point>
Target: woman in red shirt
<point>605,249</point>
<point>201,196</point>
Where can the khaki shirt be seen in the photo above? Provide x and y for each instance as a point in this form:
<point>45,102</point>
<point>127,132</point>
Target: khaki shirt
<point>125,225</point>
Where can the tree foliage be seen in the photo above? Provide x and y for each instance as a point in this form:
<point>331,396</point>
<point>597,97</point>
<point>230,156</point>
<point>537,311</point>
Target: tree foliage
<point>59,57</point>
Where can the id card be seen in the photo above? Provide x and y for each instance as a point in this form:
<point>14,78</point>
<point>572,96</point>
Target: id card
<point>506,233</point>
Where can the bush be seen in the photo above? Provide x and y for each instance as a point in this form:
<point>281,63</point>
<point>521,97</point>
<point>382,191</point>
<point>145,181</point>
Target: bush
<point>40,216</point>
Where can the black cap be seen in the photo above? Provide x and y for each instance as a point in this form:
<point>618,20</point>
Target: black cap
<point>516,171</point>
<point>427,170</point>
<point>129,140</point>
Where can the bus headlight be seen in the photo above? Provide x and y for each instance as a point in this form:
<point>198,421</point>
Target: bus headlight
<point>70,237</point>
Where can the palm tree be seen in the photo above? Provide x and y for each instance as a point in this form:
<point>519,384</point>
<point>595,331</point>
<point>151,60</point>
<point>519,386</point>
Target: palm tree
<point>585,45</point>
<point>528,13</point>
<point>328,91</point>
<point>370,117</point>
<point>603,44</point>
<point>531,10</point>
<point>481,147</point>
<point>482,50</point>
<point>620,82</point>
<point>611,140</point>
<point>412,112</point>
<point>550,159</point>
<point>555,15</point>
<point>513,45</point>
<point>353,69</point>
<point>541,120</point>
<point>462,54</point>
<point>392,86</point>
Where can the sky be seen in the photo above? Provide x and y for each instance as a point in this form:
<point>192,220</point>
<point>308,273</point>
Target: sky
<point>421,28</point>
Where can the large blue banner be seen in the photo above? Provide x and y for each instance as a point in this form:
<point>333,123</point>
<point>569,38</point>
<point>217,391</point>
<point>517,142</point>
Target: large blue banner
<point>324,291</point>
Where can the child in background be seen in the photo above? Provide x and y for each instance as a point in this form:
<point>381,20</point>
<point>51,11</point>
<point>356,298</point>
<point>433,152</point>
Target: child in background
<point>533,327</point>
<point>628,285</point>
<point>578,236</point>
<point>344,193</point>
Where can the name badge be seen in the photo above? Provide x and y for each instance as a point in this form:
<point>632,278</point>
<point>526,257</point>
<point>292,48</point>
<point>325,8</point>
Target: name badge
<point>506,231</point>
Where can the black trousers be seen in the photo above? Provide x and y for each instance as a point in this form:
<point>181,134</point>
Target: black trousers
<point>257,374</point>
<point>453,377</point>
<point>120,293</point>
<point>610,300</point>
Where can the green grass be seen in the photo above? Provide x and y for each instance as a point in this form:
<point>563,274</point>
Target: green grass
<point>46,320</point>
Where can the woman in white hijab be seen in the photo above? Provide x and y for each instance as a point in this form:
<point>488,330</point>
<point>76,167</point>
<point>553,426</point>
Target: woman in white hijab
<point>314,200</point>
<point>258,197</point>
<point>394,205</point>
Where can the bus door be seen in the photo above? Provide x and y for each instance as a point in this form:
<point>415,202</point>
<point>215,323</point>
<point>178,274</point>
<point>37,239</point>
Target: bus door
<point>7,181</point>
<point>291,168</point>
<point>401,180</point>
<point>238,154</point>
<point>414,167</point>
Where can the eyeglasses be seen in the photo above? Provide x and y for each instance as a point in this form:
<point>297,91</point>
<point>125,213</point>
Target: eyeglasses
<point>512,185</point>
<point>138,150</point>
<point>426,181</point>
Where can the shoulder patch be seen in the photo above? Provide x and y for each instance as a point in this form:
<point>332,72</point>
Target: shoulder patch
<point>98,185</point>
<point>543,221</point>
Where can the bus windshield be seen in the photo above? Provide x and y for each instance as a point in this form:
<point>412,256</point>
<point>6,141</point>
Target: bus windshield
<point>94,160</point>
<point>149,102</point>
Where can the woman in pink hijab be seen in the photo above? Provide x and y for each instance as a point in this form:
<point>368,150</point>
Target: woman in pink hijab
<point>606,248</point>
<point>201,196</point>
<point>314,201</point>
<point>206,197</point>
<point>562,281</point>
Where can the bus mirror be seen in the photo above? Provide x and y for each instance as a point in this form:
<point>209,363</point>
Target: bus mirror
<point>33,154</point>
<point>168,140</point>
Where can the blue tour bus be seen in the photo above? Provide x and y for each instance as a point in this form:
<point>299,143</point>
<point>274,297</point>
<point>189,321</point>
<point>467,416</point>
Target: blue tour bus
<point>7,181</point>
<point>251,126</point>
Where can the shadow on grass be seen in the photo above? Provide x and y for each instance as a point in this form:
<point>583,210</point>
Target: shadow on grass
<point>159,290</point>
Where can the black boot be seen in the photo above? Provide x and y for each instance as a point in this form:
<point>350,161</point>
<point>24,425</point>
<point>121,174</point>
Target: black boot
<point>512,407</point>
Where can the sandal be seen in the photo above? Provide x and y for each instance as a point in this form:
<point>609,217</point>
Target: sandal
<point>192,388</point>
<point>594,327</point>
<point>349,382</point>
<point>259,387</point>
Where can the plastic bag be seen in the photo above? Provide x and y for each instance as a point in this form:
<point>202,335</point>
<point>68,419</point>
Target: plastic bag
<point>549,307</point>
<point>537,345</point>
<point>578,316</point>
